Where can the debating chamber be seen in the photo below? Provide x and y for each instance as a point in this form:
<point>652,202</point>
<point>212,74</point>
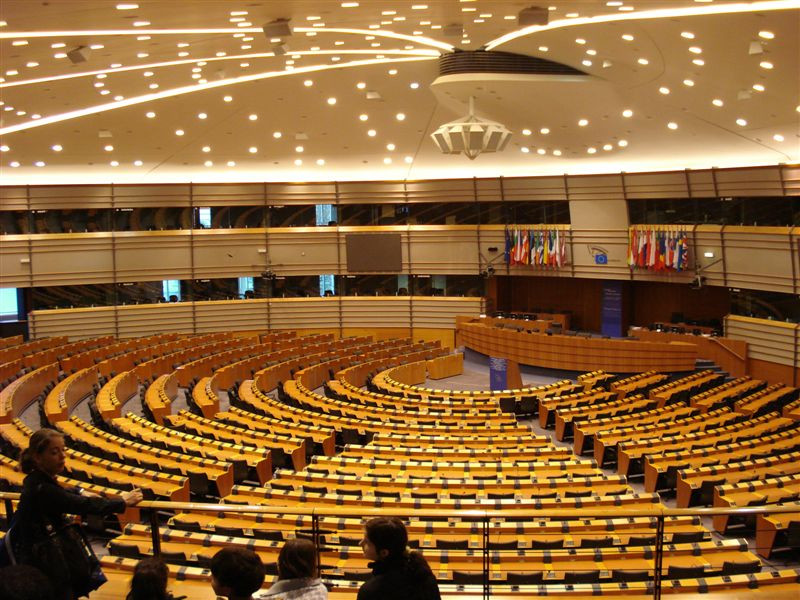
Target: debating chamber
<point>525,277</point>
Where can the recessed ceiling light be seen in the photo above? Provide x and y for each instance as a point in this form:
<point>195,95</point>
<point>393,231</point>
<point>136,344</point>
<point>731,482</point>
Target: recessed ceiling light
<point>392,71</point>
<point>586,63</point>
<point>208,163</point>
<point>408,159</point>
<point>627,113</point>
<point>543,48</point>
<point>413,85</point>
<point>400,116</point>
<point>717,102</point>
<point>524,149</point>
<point>591,150</point>
<point>541,151</point>
<point>179,132</point>
<point>150,115</point>
<point>672,125</point>
<point>57,147</point>
<point>320,161</point>
<point>13,164</point>
<point>526,132</point>
<point>688,35</point>
<point>372,133</point>
<point>741,122</point>
<point>331,101</point>
<point>19,43</point>
<point>58,45</point>
<point>96,47</point>
<point>137,163</point>
<point>349,4</point>
<point>777,137</point>
<point>252,149</point>
<point>108,148</point>
<point>31,64</point>
<point>127,6</point>
<point>695,50</point>
<point>297,162</point>
<point>390,147</point>
<point>591,52</point>
<point>419,6</point>
<point>607,147</point>
<point>572,15</point>
<point>361,85</point>
<point>643,61</point>
<point>583,122</point>
<point>580,41</point>
<point>363,117</point>
<point>556,152</point>
<point>39,163</point>
<point>228,98</point>
<point>253,117</point>
<point>206,148</point>
<point>299,149</point>
<point>59,55</point>
<point>231,163</point>
<point>664,90</point>
<point>308,83</point>
<point>765,64</point>
<point>767,35</point>
<point>688,82</point>
<point>627,37</point>
<point>387,161</point>
<point>699,62</point>
<point>544,131</point>
<point>758,87</point>
<point>622,143</point>
<point>202,116</point>
<point>114,163</point>
<point>277,134</point>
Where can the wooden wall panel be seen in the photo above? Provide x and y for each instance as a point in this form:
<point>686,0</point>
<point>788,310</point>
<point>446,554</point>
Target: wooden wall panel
<point>64,259</point>
<point>445,249</point>
<point>770,341</point>
<point>15,267</point>
<point>219,253</point>
<point>759,257</point>
<point>153,255</point>
<point>76,323</point>
<point>656,302</point>
<point>303,250</point>
<point>150,319</point>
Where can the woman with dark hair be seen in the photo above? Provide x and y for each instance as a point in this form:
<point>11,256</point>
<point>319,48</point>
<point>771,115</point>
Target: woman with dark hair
<point>298,576</point>
<point>398,574</point>
<point>39,525</point>
<point>149,581</point>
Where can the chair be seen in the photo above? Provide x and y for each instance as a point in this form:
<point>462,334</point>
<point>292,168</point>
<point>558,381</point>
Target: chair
<point>524,577</point>
<point>620,575</point>
<point>642,540</point>
<point>581,577</point>
<point>680,572</point>
<point>128,550</point>
<point>687,537</point>
<point>539,544</point>
<point>730,567</point>
<point>577,494</point>
<point>603,542</point>
<point>229,531</point>
<point>512,545</point>
<point>357,575</point>
<point>452,544</point>
<point>467,577</point>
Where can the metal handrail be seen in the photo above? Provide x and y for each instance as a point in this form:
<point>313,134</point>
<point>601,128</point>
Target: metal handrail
<point>484,516</point>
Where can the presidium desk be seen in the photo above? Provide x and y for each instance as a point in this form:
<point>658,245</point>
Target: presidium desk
<point>524,345</point>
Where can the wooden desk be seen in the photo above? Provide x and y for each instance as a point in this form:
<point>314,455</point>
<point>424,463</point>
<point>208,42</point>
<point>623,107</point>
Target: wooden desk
<point>574,353</point>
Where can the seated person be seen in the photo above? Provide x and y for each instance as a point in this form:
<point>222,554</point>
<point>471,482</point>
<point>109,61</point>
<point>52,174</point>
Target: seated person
<point>236,573</point>
<point>298,578</point>
<point>397,572</point>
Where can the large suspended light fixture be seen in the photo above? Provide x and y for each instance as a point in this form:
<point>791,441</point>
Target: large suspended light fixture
<point>471,135</point>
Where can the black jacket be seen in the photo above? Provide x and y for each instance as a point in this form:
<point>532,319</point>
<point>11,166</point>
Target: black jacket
<point>406,578</point>
<point>42,509</point>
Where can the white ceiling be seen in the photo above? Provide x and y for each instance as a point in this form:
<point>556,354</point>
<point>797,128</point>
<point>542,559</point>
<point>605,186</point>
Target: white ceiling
<point>247,99</point>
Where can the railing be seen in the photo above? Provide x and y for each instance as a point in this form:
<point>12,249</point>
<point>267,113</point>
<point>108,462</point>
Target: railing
<point>484,517</point>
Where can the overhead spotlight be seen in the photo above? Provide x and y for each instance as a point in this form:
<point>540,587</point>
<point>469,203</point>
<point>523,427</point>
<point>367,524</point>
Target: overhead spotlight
<point>755,48</point>
<point>471,135</point>
<point>277,28</point>
<point>533,15</point>
<point>78,55</point>
<point>280,49</point>
<point>453,30</point>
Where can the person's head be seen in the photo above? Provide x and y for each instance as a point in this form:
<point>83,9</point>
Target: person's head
<point>45,452</point>
<point>149,581</point>
<point>297,560</point>
<point>384,537</point>
<point>236,573</point>
<point>23,582</point>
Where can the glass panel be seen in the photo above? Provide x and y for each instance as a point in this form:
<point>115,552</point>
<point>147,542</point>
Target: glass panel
<point>8,304</point>
<point>246,287</point>
<point>172,290</point>
<point>15,222</point>
<point>292,216</point>
<point>73,296</point>
<point>765,305</point>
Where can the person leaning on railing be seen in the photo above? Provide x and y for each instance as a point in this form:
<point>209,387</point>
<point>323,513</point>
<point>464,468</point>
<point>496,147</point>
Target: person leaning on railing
<point>41,535</point>
<point>397,572</point>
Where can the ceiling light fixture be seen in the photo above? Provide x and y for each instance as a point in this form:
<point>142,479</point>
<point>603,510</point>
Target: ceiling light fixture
<point>471,135</point>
